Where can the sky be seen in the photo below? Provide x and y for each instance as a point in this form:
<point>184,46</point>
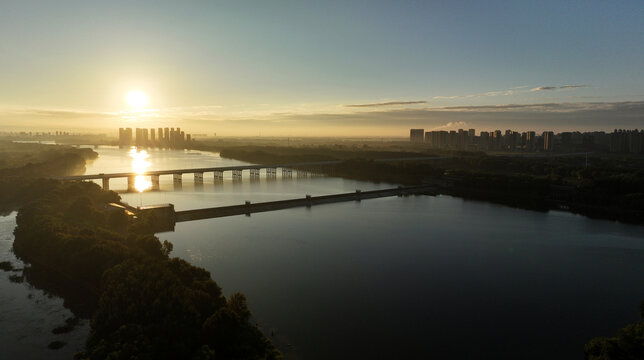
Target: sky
<point>322,68</point>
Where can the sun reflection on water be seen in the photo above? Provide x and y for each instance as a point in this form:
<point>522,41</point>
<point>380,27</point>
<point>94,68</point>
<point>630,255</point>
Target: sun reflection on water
<point>140,166</point>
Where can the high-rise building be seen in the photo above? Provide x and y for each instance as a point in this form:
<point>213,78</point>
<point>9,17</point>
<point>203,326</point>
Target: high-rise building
<point>566,141</point>
<point>627,141</point>
<point>417,135</point>
<point>548,140</point>
<point>471,138</point>
<point>138,141</point>
<point>531,141</point>
<point>453,139</point>
<point>497,143</point>
<point>152,135</point>
<point>461,139</point>
<point>484,141</point>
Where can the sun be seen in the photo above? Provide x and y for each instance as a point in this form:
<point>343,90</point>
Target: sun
<point>137,99</point>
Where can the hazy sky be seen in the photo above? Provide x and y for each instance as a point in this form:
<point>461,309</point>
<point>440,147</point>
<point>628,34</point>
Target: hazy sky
<point>322,67</point>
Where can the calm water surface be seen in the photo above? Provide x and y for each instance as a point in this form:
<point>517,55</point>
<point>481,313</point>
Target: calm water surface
<point>28,315</point>
<point>416,277</point>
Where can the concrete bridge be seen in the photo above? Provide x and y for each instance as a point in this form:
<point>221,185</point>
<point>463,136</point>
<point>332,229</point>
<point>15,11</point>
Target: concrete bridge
<point>308,201</point>
<point>166,217</point>
<point>218,173</point>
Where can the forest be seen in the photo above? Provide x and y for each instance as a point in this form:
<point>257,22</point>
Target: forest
<point>110,267</point>
<point>23,166</point>
<point>144,304</point>
<point>606,186</point>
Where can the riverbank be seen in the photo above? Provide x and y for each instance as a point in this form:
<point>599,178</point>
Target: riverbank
<point>143,302</point>
<point>601,186</point>
<point>78,248</point>
<point>25,166</point>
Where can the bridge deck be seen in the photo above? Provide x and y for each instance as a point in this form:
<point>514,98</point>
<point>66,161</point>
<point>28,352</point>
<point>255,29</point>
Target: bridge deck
<point>195,170</point>
<point>230,168</point>
<point>250,208</point>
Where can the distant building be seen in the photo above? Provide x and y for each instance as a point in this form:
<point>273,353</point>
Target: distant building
<point>497,141</point>
<point>531,141</point>
<point>161,137</point>
<point>484,141</point>
<point>566,141</point>
<point>125,136</point>
<point>627,141</point>
<point>417,135</point>
<point>462,140</point>
<point>548,140</point>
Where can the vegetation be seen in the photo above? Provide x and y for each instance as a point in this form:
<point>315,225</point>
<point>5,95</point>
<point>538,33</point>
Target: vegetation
<point>606,186</point>
<point>24,167</point>
<point>628,344</point>
<point>145,304</point>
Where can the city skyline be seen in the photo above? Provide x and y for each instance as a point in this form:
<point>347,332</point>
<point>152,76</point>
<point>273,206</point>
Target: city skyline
<point>331,69</point>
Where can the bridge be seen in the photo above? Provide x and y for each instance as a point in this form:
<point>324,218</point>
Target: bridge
<point>218,173</point>
<point>166,217</point>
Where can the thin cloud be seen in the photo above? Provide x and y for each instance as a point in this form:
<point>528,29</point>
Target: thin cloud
<point>546,88</point>
<point>507,92</point>
<point>390,103</point>
<point>573,86</point>
<point>512,91</point>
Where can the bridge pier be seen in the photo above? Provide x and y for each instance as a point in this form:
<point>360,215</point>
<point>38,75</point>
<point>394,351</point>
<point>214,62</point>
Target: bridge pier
<point>177,178</point>
<point>219,175</point>
<point>271,173</point>
<point>106,183</point>
<point>154,179</point>
<point>317,172</point>
<point>287,172</point>
<point>237,174</point>
<point>254,173</point>
<point>198,178</point>
<point>302,173</point>
<point>131,180</point>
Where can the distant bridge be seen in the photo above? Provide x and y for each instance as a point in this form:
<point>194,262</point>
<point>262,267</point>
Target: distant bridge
<point>218,173</point>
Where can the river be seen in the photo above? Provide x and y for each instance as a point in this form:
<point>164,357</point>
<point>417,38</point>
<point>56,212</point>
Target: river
<point>411,277</point>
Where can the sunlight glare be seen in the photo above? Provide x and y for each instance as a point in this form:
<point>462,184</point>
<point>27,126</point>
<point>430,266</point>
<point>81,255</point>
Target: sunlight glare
<point>137,99</point>
<point>140,165</point>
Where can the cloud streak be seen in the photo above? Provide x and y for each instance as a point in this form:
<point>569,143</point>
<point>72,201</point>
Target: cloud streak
<point>331,121</point>
<point>485,94</point>
<point>390,103</point>
<point>564,87</point>
<point>512,91</point>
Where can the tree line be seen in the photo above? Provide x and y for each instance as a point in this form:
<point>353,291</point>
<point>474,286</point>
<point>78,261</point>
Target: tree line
<point>145,304</point>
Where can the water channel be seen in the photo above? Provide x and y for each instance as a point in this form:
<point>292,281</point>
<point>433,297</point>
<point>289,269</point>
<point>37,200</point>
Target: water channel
<point>411,277</point>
